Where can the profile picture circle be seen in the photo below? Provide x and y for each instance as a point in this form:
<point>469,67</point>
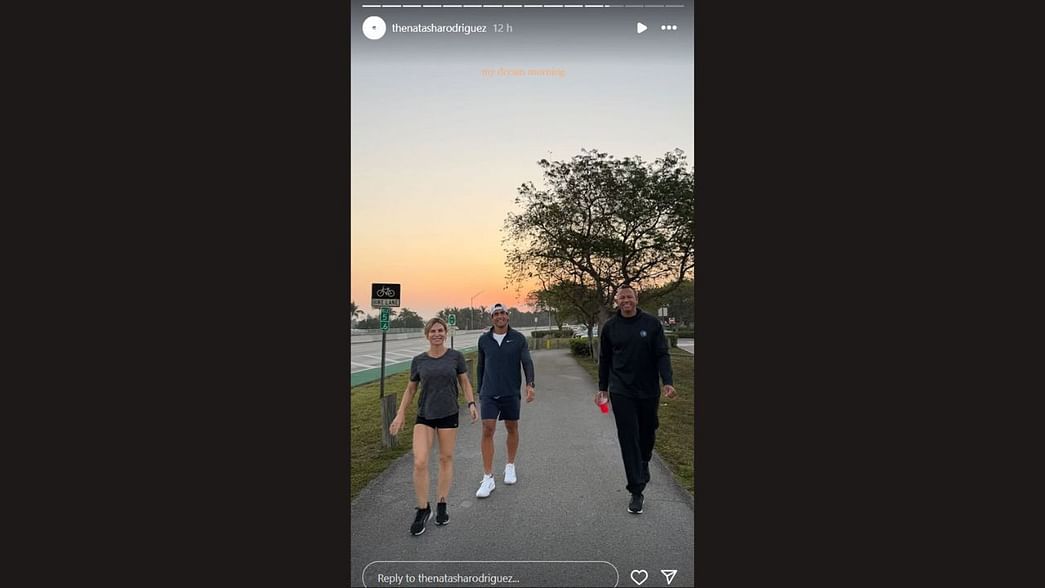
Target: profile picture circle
<point>374,27</point>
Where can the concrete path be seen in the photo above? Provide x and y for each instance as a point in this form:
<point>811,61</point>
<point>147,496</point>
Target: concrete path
<point>565,523</point>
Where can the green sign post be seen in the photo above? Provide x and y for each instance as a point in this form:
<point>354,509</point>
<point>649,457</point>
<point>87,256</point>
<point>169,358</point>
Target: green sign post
<point>388,403</point>
<point>386,297</point>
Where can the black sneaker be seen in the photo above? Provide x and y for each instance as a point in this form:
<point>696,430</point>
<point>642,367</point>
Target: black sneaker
<point>441,518</point>
<point>422,516</point>
<point>635,506</point>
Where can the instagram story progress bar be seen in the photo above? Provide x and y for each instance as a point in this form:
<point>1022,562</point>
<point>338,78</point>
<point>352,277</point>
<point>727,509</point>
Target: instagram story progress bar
<point>523,5</point>
<point>650,29</point>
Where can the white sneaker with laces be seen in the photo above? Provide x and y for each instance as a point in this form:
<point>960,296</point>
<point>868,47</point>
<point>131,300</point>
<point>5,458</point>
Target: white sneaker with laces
<point>509,473</point>
<point>486,487</point>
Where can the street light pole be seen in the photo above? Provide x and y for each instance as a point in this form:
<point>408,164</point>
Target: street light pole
<point>470,312</point>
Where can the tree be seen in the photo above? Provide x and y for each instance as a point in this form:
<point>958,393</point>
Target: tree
<point>369,322</point>
<point>407,319</point>
<point>679,302</point>
<point>574,301</point>
<point>446,312</point>
<point>374,322</point>
<point>355,310</point>
<point>571,302</point>
<point>519,318</point>
<point>601,222</point>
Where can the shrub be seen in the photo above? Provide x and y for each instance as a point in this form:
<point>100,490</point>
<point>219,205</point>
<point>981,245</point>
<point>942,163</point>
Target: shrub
<point>553,333</point>
<point>580,347</point>
<point>547,343</point>
<point>684,334</point>
<point>673,340</point>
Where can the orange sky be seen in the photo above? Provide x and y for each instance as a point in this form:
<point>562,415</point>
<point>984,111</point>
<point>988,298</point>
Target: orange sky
<point>428,286</point>
<point>438,154</point>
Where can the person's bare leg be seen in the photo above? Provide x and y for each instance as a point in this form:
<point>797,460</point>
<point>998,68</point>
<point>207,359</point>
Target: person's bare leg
<point>489,426</point>
<point>513,439</point>
<point>447,440</point>
<point>423,438</point>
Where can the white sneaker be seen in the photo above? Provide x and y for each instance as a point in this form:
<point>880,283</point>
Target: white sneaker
<point>486,487</point>
<point>509,473</point>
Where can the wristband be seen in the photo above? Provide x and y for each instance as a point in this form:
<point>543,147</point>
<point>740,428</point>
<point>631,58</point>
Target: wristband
<point>471,402</point>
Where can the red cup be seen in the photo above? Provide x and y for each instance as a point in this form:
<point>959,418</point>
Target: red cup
<point>604,405</point>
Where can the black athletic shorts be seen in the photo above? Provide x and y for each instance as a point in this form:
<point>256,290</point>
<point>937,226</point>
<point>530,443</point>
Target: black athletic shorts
<point>447,422</point>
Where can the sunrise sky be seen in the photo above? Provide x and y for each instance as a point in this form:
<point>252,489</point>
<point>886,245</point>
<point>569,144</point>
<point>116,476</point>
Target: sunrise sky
<point>434,139</point>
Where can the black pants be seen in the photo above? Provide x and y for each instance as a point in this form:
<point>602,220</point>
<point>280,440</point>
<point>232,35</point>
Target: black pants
<point>636,431</point>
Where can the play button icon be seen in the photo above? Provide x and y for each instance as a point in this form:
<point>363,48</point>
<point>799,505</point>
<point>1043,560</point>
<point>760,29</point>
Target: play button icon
<point>639,27</point>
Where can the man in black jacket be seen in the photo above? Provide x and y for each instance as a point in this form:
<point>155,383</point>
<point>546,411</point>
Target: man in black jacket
<point>502,350</point>
<point>633,352</point>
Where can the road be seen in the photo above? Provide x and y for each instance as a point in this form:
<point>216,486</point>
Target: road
<point>364,356</point>
<point>367,355</point>
<point>565,523</point>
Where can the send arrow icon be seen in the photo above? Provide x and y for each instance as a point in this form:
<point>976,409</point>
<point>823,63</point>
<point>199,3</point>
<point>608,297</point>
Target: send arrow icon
<point>639,27</point>
<point>669,575</point>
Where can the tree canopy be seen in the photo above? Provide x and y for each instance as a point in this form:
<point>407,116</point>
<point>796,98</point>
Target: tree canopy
<point>571,302</point>
<point>600,222</point>
<point>679,302</point>
<point>406,319</point>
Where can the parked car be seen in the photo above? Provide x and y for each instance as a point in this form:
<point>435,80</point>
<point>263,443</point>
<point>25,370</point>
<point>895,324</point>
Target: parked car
<point>582,331</point>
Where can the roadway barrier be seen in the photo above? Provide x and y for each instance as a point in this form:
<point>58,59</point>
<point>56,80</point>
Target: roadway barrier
<point>376,338</point>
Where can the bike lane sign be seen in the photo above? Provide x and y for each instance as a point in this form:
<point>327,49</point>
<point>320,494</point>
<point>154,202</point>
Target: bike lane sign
<point>383,295</point>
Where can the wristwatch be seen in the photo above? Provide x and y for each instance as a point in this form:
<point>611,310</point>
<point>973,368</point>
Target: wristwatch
<point>470,403</point>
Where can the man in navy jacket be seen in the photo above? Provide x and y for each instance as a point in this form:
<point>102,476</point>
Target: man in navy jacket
<point>502,350</point>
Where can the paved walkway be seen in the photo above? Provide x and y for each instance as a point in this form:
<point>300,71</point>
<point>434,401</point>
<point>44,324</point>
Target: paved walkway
<point>569,505</point>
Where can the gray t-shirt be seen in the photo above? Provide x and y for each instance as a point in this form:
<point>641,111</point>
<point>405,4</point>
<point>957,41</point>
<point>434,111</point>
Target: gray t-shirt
<point>438,383</point>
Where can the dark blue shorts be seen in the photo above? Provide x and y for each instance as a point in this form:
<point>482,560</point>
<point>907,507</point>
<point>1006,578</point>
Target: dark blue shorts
<point>447,422</point>
<point>505,408</point>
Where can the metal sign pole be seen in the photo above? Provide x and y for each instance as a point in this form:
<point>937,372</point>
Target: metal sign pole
<point>388,403</point>
<point>383,333</point>
<point>385,296</point>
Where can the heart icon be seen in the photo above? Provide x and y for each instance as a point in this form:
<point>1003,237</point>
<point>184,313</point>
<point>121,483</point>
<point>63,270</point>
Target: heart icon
<point>635,574</point>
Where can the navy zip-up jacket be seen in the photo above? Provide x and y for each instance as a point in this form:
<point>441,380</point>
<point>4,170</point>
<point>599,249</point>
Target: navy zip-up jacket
<point>498,365</point>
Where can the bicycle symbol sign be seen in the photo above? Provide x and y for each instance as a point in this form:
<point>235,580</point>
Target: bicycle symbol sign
<point>384,295</point>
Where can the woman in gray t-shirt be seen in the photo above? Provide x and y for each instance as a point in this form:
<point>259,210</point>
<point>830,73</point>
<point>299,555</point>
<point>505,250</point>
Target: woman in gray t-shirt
<point>441,372</point>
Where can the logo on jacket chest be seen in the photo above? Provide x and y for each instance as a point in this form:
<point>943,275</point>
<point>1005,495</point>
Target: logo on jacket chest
<point>642,333</point>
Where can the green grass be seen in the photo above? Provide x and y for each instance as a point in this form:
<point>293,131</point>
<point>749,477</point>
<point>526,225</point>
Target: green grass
<point>675,434</point>
<point>368,457</point>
